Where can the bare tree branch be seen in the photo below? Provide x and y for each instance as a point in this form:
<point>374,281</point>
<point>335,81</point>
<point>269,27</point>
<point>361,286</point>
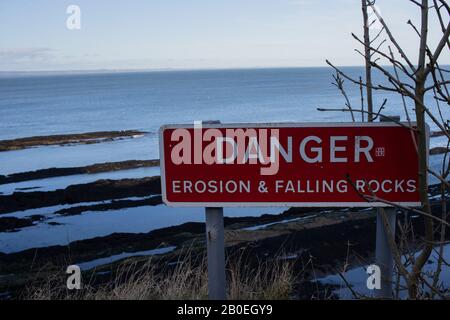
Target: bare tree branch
<point>391,37</point>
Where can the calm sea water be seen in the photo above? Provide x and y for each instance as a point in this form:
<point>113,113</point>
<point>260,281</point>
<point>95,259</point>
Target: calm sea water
<point>43,105</point>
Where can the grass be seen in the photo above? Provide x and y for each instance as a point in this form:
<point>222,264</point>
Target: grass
<point>186,279</point>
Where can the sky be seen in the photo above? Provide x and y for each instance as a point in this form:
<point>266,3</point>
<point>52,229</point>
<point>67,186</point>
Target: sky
<point>192,34</point>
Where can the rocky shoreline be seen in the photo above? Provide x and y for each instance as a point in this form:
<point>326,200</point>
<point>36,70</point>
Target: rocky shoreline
<point>439,150</point>
<point>10,224</point>
<point>67,139</point>
<point>297,234</point>
<point>330,230</point>
<point>91,169</point>
<point>435,134</point>
<point>89,192</point>
<point>324,234</point>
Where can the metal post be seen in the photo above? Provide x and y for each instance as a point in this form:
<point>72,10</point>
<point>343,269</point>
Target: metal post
<point>216,253</point>
<point>215,246</point>
<point>383,254</point>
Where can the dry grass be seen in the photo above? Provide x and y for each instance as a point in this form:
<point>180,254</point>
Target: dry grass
<point>186,280</point>
<point>270,280</point>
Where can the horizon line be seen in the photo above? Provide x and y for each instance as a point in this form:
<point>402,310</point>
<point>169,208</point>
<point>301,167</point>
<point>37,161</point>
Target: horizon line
<point>167,69</point>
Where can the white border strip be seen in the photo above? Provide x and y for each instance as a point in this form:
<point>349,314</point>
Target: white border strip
<point>272,125</point>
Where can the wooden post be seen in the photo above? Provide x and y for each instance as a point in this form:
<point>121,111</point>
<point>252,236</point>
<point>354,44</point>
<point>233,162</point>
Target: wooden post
<point>216,253</point>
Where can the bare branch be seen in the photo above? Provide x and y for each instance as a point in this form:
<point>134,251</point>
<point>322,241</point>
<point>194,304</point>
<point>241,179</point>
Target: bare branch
<point>393,61</point>
<point>367,112</point>
<point>391,37</point>
<point>339,83</point>
<point>370,198</point>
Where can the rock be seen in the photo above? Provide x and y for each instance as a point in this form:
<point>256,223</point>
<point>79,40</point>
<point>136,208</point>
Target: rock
<point>77,138</point>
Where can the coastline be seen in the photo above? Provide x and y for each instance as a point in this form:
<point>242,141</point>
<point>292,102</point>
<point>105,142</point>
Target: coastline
<point>67,139</point>
<point>298,233</point>
<point>323,233</point>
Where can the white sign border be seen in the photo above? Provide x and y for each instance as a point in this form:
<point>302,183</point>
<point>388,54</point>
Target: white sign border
<point>275,125</point>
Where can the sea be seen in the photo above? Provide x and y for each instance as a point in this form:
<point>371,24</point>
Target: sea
<point>47,104</point>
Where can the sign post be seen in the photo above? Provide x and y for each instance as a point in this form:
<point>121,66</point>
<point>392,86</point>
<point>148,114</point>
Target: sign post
<point>216,165</point>
<point>383,254</point>
<point>215,244</point>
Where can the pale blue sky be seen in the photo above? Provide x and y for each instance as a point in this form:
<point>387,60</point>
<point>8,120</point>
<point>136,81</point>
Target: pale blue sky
<point>148,34</point>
